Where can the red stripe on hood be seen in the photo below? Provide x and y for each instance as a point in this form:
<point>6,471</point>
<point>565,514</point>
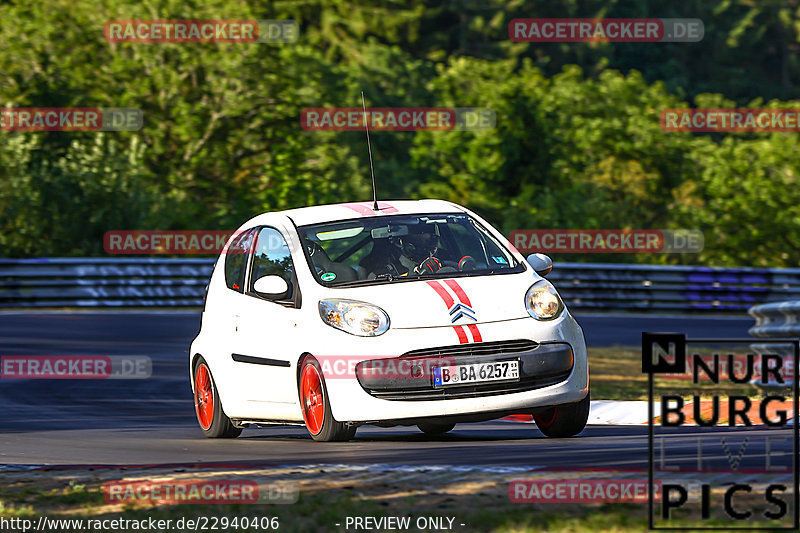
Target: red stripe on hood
<point>442,292</point>
<point>453,284</point>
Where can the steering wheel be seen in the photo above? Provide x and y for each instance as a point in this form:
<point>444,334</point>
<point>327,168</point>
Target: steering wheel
<point>467,263</point>
<point>433,265</point>
<point>429,266</point>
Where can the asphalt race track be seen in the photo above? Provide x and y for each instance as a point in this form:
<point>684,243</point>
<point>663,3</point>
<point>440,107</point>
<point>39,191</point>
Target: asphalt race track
<point>151,421</point>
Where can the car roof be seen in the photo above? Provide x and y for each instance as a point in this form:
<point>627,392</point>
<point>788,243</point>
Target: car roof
<point>335,212</point>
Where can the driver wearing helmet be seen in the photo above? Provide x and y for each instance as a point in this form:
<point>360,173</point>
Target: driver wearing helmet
<point>412,249</point>
<point>418,250</point>
<point>404,255</point>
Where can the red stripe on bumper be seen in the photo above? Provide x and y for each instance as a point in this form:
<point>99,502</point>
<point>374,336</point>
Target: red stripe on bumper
<point>476,334</point>
<point>462,335</point>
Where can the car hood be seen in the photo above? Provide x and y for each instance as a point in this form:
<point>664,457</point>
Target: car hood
<point>447,302</point>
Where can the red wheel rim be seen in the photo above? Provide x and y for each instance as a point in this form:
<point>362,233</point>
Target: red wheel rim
<point>547,419</point>
<point>313,398</point>
<point>204,397</point>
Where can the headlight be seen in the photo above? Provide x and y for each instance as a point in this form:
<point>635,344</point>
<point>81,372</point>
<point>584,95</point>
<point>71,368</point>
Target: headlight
<point>543,302</point>
<point>356,318</point>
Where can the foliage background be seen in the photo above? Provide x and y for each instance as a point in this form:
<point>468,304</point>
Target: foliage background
<point>577,142</point>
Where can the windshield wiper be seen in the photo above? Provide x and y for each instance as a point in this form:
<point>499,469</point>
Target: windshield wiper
<point>377,279</point>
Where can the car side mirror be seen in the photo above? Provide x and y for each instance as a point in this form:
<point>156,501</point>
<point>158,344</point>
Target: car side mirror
<point>271,287</point>
<point>541,264</point>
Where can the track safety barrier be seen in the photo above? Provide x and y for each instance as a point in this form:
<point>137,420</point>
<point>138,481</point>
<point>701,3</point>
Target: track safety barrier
<point>167,282</point>
<point>777,320</point>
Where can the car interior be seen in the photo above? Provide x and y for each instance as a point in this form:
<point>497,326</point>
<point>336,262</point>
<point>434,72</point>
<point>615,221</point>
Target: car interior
<point>365,254</point>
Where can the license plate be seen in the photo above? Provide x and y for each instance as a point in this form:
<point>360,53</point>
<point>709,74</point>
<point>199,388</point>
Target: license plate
<point>445,376</point>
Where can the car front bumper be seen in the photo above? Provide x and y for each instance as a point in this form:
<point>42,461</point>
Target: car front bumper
<point>545,379</point>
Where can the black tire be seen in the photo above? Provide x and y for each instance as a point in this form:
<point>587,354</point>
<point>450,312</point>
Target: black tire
<point>564,420</point>
<point>328,429</point>
<point>220,426</point>
<point>433,428</point>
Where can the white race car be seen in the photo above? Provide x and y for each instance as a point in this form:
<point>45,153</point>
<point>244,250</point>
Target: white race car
<point>414,313</point>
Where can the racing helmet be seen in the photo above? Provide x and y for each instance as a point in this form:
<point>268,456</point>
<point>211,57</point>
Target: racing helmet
<point>420,243</point>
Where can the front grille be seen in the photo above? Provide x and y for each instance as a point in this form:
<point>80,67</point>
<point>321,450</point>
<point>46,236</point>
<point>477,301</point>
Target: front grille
<point>471,391</point>
<point>475,349</point>
<point>541,365</point>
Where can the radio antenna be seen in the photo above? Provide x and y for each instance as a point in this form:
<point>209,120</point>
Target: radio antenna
<point>369,148</point>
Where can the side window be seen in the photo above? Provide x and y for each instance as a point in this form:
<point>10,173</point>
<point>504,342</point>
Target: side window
<point>272,257</point>
<point>236,260</point>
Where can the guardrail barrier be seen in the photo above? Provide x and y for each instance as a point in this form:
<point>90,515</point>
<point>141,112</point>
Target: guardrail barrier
<point>158,282</point>
<point>777,319</point>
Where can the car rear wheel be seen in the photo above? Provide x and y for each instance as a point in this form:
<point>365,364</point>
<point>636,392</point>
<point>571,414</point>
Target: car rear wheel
<point>432,428</point>
<point>564,420</point>
<point>316,406</point>
<point>208,407</point>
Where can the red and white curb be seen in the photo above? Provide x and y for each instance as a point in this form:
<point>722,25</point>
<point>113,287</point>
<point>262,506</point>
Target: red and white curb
<point>618,413</point>
<point>609,413</point>
<point>634,413</point>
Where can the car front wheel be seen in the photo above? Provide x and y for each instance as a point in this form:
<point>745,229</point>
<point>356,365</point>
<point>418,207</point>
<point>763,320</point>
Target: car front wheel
<point>564,420</point>
<point>316,406</point>
<point>433,428</point>
<point>208,407</point>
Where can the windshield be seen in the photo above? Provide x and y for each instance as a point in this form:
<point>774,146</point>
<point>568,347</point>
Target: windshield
<point>384,249</point>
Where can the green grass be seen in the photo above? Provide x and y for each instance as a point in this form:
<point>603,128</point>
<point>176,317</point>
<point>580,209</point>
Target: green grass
<point>320,511</point>
<point>485,509</point>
